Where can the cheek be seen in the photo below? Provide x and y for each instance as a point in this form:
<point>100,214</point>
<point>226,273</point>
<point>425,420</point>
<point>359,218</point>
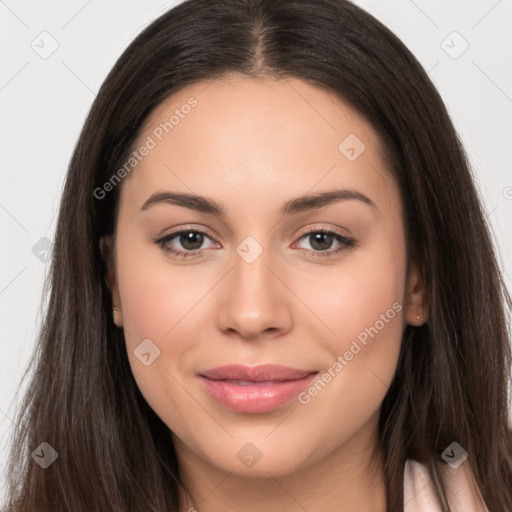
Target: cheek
<point>361,293</point>
<point>362,306</point>
<point>159,303</point>
<point>157,295</point>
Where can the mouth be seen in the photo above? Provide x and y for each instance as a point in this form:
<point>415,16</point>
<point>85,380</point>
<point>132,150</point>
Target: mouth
<point>255,389</point>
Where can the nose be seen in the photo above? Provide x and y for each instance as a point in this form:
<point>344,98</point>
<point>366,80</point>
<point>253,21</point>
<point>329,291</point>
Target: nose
<point>255,302</point>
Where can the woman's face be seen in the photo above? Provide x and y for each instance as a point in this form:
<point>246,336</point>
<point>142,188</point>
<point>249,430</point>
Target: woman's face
<point>263,284</point>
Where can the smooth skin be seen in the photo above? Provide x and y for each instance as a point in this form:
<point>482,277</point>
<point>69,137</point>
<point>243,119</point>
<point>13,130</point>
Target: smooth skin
<point>251,145</point>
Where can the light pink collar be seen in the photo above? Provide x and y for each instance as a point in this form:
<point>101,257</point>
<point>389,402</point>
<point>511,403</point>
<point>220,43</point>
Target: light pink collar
<point>419,489</point>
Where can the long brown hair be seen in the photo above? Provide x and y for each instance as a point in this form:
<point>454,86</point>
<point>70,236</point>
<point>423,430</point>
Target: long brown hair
<point>451,382</point>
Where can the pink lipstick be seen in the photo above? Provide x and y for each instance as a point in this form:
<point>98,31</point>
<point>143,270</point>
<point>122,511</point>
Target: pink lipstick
<point>255,389</point>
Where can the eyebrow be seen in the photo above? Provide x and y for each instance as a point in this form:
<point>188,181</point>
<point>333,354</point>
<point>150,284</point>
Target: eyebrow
<point>293,206</point>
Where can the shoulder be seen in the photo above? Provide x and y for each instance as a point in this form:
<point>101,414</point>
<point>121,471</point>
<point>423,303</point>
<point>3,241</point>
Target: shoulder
<point>420,489</point>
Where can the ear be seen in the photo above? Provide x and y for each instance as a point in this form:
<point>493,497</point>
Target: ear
<point>107,249</point>
<point>416,295</point>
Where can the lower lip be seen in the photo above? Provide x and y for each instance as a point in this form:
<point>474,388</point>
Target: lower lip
<point>255,398</point>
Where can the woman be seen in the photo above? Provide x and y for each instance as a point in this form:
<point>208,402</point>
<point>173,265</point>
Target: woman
<point>196,355</point>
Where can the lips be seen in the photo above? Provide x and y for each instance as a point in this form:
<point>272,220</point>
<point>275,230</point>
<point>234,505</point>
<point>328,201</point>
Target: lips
<point>255,389</point>
<point>260,373</point>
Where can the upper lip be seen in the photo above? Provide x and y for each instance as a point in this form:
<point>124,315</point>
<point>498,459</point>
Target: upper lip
<point>258,373</point>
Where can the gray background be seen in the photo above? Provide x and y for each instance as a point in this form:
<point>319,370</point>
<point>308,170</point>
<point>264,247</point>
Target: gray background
<point>44,100</point>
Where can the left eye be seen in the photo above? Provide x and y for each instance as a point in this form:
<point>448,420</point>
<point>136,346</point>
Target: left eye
<point>321,241</point>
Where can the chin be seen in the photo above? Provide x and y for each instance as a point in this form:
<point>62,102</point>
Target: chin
<point>253,459</point>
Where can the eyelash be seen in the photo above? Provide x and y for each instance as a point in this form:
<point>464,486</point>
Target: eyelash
<point>347,243</point>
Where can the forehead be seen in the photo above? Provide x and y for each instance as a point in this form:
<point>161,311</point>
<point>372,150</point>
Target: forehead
<point>257,138</point>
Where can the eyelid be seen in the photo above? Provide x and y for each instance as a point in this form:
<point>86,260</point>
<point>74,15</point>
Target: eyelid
<point>162,240</point>
<point>187,227</point>
<point>329,227</point>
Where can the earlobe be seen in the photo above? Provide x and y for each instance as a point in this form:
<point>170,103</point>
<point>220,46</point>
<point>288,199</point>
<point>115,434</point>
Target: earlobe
<point>416,310</point>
